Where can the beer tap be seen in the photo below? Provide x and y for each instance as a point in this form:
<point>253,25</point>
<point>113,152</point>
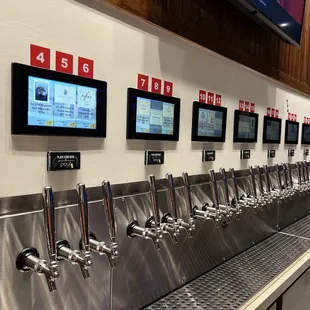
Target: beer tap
<point>301,183</point>
<point>271,191</point>
<point>294,187</point>
<point>236,210</point>
<point>257,202</point>
<point>264,197</point>
<point>153,233</point>
<point>242,200</point>
<point>29,258</point>
<point>172,220</point>
<point>288,190</point>
<point>304,169</point>
<point>217,210</point>
<point>194,212</point>
<point>89,242</point>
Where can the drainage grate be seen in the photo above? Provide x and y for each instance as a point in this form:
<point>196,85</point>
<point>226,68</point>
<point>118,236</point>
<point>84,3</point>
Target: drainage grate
<point>300,228</point>
<point>231,284</point>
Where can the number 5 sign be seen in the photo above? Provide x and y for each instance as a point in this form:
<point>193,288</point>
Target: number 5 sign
<point>85,67</point>
<point>64,62</point>
<point>40,56</point>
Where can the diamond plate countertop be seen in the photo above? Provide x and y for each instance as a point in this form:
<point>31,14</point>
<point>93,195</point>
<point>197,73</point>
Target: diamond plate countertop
<point>236,281</point>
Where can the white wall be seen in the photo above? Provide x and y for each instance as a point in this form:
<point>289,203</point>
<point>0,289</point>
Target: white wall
<point>122,46</point>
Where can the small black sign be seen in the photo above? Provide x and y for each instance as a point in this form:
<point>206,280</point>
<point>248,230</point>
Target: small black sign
<point>271,154</point>
<point>291,153</point>
<point>306,152</point>
<point>208,155</point>
<point>57,161</point>
<point>154,157</point>
<point>245,154</point>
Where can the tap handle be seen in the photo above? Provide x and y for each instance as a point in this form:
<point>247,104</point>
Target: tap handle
<point>188,196</point>
<point>49,218</point>
<point>260,180</point>
<point>290,175</point>
<point>279,177</point>
<point>233,175</point>
<point>306,170</point>
<point>302,163</point>
<point>253,181</point>
<point>214,183</point>
<point>225,180</point>
<point>108,203</point>
<point>267,178</point>
<point>171,188</point>
<point>298,172</point>
<point>154,198</point>
<point>83,212</point>
<point>284,166</point>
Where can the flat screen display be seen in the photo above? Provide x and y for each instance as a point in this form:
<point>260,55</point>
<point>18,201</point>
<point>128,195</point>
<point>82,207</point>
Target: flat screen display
<point>305,134</point>
<point>272,130</point>
<point>46,102</point>
<point>58,104</point>
<point>287,15</point>
<point>291,132</point>
<point>245,126</point>
<point>209,122</point>
<point>152,116</point>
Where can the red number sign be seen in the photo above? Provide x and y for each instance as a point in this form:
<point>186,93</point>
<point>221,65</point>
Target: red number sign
<point>247,106</point>
<point>277,113</point>
<point>156,86</point>
<point>40,56</point>
<point>295,117</point>
<point>143,82</point>
<point>289,116</point>
<point>168,88</point>
<point>64,62</point>
<point>272,112</point>
<point>210,98</point>
<point>252,107</point>
<point>241,105</point>
<point>218,100</point>
<point>305,120</point>
<point>85,67</point>
<point>268,111</point>
<point>202,96</point>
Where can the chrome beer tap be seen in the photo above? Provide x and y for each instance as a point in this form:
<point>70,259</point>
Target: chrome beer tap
<point>264,197</point>
<point>304,175</point>
<point>172,220</point>
<point>89,242</point>
<point>288,189</point>
<point>301,184</point>
<point>240,201</point>
<point>29,258</point>
<point>217,210</point>
<point>271,191</point>
<point>282,192</point>
<point>236,210</point>
<point>194,212</point>
<point>257,202</point>
<point>155,234</point>
<point>294,187</point>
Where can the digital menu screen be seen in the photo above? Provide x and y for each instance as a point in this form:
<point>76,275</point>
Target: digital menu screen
<point>246,127</point>
<point>306,134</point>
<point>292,133</point>
<point>154,117</point>
<point>210,123</point>
<point>54,103</point>
<point>272,130</point>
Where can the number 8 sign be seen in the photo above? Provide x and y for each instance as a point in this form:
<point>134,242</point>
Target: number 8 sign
<point>85,67</point>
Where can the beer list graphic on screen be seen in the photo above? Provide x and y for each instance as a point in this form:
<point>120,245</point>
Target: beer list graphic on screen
<point>58,104</point>
<point>154,117</point>
<point>210,123</point>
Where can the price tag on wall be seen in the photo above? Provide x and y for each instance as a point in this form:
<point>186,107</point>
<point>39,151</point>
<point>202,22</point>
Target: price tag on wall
<point>86,67</point>
<point>241,105</point>
<point>247,106</point>
<point>218,100</point>
<point>64,62</point>
<point>210,98</point>
<point>252,107</point>
<point>156,86</point>
<point>143,82</point>
<point>40,56</point>
<point>168,88</point>
<point>202,96</point>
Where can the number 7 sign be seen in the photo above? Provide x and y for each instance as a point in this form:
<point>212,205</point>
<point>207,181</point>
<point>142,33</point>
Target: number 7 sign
<point>143,82</point>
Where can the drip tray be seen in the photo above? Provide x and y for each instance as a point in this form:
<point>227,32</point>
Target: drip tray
<point>231,284</point>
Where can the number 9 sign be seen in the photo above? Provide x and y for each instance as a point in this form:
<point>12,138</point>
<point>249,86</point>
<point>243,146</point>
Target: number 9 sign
<point>85,67</point>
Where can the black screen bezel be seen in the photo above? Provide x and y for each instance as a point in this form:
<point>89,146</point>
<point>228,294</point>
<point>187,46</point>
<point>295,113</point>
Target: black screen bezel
<point>238,113</point>
<point>303,132</point>
<point>195,116</point>
<point>278,120</point>
<point>287,122</point>
<point>19,114</point>
<point>132,94</point>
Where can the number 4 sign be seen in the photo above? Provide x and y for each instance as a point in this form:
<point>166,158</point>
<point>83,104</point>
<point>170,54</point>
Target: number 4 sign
<point>40,56</point>
<point>64,62</point>
<point>85,67</point>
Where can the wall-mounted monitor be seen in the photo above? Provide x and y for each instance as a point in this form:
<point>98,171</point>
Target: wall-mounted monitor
<point>272,130</point>
<point>208,122</point>
<point>46,102</point>
<point>291,132</point>
<point>152,116</point>
<point>245,127</point>
<point>305,137</point>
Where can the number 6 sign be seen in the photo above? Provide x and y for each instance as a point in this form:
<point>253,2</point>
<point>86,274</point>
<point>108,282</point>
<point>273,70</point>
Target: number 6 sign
<point>85,67</point>
<point>64,62</point>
